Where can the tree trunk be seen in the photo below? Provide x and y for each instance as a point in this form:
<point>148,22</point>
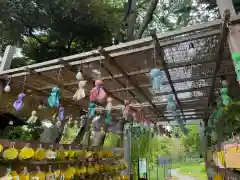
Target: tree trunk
<point>131,20</point>
<point>147,19</point>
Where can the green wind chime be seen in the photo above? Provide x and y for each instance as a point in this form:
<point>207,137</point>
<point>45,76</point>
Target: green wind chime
<point>236,60</point>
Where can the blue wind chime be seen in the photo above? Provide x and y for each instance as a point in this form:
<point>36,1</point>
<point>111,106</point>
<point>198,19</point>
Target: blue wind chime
<point>156,79</point>
<point>156,76</point>
<point>54,99</point>
<point>172,107</point>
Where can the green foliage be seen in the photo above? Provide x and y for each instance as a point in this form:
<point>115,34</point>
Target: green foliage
<point>111,140</point>
<point>224,123</point>
<point>230,119</point>
<point>27,133</point>
<point>49,29</point>
<point>191,142</point>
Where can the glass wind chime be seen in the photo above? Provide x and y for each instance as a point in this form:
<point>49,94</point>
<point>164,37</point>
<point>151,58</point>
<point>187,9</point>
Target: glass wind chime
<point>172,107</point>
<point>156,75</point>
<point>137,130</point>
<point>222,102</point>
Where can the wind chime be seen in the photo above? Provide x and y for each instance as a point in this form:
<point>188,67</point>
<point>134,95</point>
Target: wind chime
<point>33,118</point>
<point>97,93</point>
<point>54,98</point>
<point>126,106</point>
<point>19,104</point>
<point>156,75</point>
<point>224,92</point>
<point>172,107</point>
<point>7,88</point>
<point>80,93</point>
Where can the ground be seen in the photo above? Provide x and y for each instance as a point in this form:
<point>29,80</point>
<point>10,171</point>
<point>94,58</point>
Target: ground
<point>182,172</point>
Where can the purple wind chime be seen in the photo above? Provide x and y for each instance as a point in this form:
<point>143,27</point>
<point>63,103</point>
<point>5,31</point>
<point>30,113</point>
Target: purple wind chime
<point>19,104</point>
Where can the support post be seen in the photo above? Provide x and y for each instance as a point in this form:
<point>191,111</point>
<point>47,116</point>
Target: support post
<point>7,58</point>
<point>5,65</point>
<point>234,32</point>
<point>127,151</point>
<point>224,5</point>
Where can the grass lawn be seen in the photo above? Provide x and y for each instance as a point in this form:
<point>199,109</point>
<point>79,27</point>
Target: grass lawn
<point>194,170</point>
<point>153,174</point>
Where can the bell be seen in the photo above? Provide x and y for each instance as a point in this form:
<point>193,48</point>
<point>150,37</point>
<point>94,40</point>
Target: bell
<point>40,106</point>
<point>7,88</point>
<point>79,76</point>
<point>224,83</point>
<point>191,51</point>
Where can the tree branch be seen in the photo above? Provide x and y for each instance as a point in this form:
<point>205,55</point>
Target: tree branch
<point>70,42</point>
<point>127,13</point>
<point>132,17</point>
<point>148,18</point>
<point>30,32</point>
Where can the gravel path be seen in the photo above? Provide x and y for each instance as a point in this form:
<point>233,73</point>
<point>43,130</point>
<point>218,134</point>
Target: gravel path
<point>175,173</point>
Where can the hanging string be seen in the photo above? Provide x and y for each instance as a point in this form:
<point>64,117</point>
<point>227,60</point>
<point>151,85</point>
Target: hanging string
<point>59,72</point>
<point>100,69</point>
<point>229,28</point>
<point>9,80</point>
<point>154,57</point>
<point>24,82</point>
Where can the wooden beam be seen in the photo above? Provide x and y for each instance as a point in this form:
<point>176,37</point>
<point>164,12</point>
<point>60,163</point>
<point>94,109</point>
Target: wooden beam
<point>87,57</point>
<point>169,120</point>
<point>160,54</point>
<point>119,68</point>
<point>119,82</point>
<point>147,70</point>
<point>54,82</point>
<point>226,5</point>
<point>122,46</point>
<point>176,81</point>
<point>218,59</point>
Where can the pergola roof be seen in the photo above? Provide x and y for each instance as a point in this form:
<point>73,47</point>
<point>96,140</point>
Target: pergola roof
<point>125,69</point>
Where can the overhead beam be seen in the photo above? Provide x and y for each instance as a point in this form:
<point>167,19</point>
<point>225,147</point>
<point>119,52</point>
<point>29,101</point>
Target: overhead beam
<point>75,59</point>
<point>87,57</point>
<point>116,79</point>
<point>54,82</point>
<point>169,120</point>
<point>160,54</point>
<point>175,81</point>
<point>218,59</point>
<point>144,71</point>
<point>119,68</point>
<point>43,93</point>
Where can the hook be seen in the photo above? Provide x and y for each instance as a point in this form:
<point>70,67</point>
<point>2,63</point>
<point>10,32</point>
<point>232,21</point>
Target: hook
<point>38,169</point>
<point>50,168</point>
<point>12,144</point>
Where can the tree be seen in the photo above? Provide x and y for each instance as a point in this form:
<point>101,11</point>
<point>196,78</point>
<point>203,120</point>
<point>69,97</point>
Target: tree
<point>191,142</point>
<point>51,29</point>
<point>47,30</point>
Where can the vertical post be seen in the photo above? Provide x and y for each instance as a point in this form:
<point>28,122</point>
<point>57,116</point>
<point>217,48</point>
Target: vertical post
<point>226,5</point>
<point>7,58</point>
<point>127,151</point>
<point>234,31</point>
<point>6,64</point>
<point>157,167</point>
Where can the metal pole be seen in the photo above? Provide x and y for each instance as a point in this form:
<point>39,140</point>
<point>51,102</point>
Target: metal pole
<point>157,168</point>
<point>164,170</point>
